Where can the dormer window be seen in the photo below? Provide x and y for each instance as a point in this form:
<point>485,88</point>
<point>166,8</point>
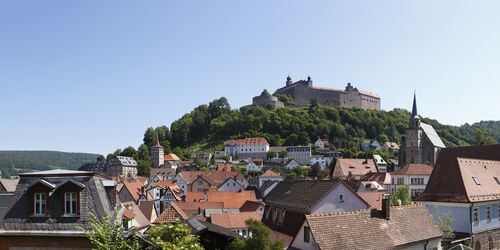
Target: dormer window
<point>70,203</point>
<point>40,204</point>
<point>476,180</point>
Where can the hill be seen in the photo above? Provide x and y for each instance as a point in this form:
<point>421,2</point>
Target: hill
<point>208,126</point>
<point>12,162</point>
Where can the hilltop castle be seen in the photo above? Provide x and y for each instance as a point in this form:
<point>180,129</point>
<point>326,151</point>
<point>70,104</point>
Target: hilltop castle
<point>303,92</point>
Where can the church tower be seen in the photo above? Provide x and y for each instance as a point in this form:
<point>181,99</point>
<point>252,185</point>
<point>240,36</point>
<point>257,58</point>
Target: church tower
<point>413,137</point>
<point>157,154</point>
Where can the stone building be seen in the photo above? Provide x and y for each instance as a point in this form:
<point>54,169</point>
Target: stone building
<point>267,100</point>
<point>122,166</point>
<point>157,154</point>
<point>421,143</point>
<point>303,92</point>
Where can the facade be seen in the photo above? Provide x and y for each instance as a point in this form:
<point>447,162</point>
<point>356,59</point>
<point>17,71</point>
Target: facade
<point>323,161</point>
<point>421,144</point>
<point>248,148</point>
<point>370,145</point>
<point>266,100</point>
<point>346,168</point>
<point>302,154</point>
<point>190,181</point>
<point>49,208</point>
<point>290,201</point>
<point>415,176</point>
<point>235,221</point>
<point>204,156</point>
<point>122,166</point>
<point>255,165</point>
<point>380,163</point>
<point>270,176</point>
<point>405,227</point>
<point>303,92</point>
<point>465,184</point>
<point>322,144</point>
<point>292,164</point>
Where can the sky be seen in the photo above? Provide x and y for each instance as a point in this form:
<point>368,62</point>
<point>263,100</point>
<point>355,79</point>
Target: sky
<point>91,76</point>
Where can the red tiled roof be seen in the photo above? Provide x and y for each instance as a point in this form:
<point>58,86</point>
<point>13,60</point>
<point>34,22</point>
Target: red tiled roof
<point>165,183</point>
<point>172,213</point>
<point>270,173</point>
<point>234,220</point>
<point>134,188</point>
<point>374,199</point>
<point>357,167</point>
<point>195,196</point>
<point>217,177</point>
<point>172,157</point>
<point>231,199</point>
<point>414,169</point>
<point>254,140</point>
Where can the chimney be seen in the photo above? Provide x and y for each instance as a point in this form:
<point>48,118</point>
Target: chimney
<point>386,207</point>
<point>142,190</point>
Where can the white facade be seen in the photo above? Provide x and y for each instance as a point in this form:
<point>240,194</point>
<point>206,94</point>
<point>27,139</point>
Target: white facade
<point>380,163</point>
<point>300,153</point>
<point>231,185</point>
<point>252,166</point>
<point>181,183</point>
<point>323,161</point>
<point>416,183</point>
<point>292,164</point>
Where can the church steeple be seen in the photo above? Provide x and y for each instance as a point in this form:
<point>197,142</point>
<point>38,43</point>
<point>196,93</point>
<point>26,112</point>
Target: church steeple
<point>414,112</point>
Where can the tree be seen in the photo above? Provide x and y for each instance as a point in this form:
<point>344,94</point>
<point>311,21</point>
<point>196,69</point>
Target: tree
<point>401,196</point>
<point>143,152</point>
<point>143,167</point>
<point>271,154</point>
<point>173,236</point>
<point>283,154</point>
<point>100,158</point>
<point>259,240</point>
<point>129,152</point>
<point>445,222</point>
<point>106,233</point>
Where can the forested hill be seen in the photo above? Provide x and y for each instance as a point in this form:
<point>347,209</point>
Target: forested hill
<point>208,126</point>
<point>21,161</point>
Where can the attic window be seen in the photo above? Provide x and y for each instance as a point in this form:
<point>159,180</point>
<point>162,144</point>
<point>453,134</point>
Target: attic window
<point>497,180</point>
<point>476,180</point>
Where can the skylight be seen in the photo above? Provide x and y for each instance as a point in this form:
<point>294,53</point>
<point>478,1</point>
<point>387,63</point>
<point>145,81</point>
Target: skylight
<point>476,180</point>
<point>497,180</point>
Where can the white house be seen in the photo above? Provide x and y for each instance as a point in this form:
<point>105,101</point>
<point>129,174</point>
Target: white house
<point>323,161</point>
<point>255,165</point>
<point>292,164</point>
<point>322,144</point>
<point>415,176</point>
<point>380,163</point>
<point>247,148</point>
<point>232,184</point>
<point>270,175</point>
<point>302,154</point>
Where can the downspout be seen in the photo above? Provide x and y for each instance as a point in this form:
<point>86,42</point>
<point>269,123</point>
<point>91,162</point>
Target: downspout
<point>425,245</point>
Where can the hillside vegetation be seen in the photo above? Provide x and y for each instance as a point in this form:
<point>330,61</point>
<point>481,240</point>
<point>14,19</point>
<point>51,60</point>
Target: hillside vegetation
<point>208,126</point>
<point>12,162</point>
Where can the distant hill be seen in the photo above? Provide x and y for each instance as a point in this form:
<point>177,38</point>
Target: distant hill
<point>12,162</point>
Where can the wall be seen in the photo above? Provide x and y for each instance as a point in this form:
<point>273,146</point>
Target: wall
<point>431,244</point>
<point>44,243</point>
<point>484,225</point>
<point>331,201</point>
<point>298,241</point>
<point>460,213</point>
<point>231,185</point>
<point>200,185</point>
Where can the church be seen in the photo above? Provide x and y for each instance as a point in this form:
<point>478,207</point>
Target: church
<point>421,143</point>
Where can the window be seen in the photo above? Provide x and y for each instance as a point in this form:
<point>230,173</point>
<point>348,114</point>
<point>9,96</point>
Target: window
<point>488,214</point>
<point>70,203</point>
<point>476,180</point>
<point>417,181</point>
<point>341,197</point>
<point>307,236</point>
<point>475,216</point>
<point>40,205</point>
<point>400,180</point>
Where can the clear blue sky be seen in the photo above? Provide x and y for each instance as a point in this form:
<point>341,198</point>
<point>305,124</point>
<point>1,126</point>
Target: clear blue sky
<point>91,76</point>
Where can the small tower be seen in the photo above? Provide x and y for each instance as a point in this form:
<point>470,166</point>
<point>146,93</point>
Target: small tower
<point>309,81</point>
<point>288,80</point>
<point>413,137</point>
<point>157,154</point>
<point>414,118</point>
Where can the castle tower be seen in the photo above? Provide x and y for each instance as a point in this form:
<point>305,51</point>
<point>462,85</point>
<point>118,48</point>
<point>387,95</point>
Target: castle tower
<point>288,80</point>
<point>413,136</point>
<point>157,154</point>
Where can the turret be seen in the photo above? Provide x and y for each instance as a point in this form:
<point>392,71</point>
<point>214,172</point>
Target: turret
<point>288,80</point>
<point>414,118</point>
<point>157,154</point>
<point>309,81</point>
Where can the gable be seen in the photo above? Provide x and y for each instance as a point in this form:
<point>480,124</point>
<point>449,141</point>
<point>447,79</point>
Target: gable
<point>331,202</point>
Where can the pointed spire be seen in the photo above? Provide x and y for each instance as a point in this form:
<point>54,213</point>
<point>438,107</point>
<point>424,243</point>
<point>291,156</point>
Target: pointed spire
<point>157,144</point>
<point>414,112</point>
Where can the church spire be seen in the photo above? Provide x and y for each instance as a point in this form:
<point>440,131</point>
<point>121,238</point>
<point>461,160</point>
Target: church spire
<point>414,112</point>
<point>157,141</point>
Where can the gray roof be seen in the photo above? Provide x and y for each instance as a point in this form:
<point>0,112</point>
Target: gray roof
<point>198,227</point>
<point>126,161</point>
<point>432,135</point>
<point>55,171</point>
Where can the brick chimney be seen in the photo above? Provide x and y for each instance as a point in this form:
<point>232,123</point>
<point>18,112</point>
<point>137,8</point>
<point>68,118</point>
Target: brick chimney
<point>386,207</point>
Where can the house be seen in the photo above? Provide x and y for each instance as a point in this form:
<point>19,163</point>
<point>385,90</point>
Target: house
<point>131,190</point>
<point>405,227</point>
<point>8,185</point>
<point>163,173</point>
<point>211,236</point>
<point>289,202</point>
<point>122,166</point>
<point>231,199</point>
<point>247,148</point>
<point>232,184</point>
<point>380,163</point>
<point>415,176</point>
<point>235,221</point>
<point>50,208</point>
<point>267,187</point>
<point>149,211</point>
<point>253,206</point>
<point>465,185</point>
<point>204,156</point>
<point>322,144</point>
<point>374,199</point>
<point>163,193</point>
<point>172,161</point>
<point>353,168</point>
<point>198,208</point>
<point>390,147</point>
<point>370,145</point>
<point>171,214</point>
<point>323,161</point>
<point>255,165</point>
<point>186,179</point>
<point>292,164</point>
<point>302,154</point>
<point>133,218</point>
<point>270,175</point>
<point>382,178</point>
<point>370,186</point>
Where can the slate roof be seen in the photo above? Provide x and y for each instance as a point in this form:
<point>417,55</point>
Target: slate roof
<point>234,220</point>
<point>300,195</point>
<point>124,161</point>
<point>446,182</point>
<point>357,167</point>
<point>94,198</point>
<point>432,135</point>
<point>231,199</point>
<point>414,169</point>
<point>9,184</point>
<point>361,230</point>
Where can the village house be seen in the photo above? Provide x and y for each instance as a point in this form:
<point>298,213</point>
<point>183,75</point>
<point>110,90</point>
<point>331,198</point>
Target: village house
<point>253,206</point>
<point>323,161</point>
<point>270,176</point>
<point>322,144</point>
<point>369,145</point>
<point>405,227</point>
<point>49,208</point>
<point>380,163</point>
<point>382,178</point>
<point>353,168</point>
<point>171,214</point>
<point>204,156</point>
<point>289,202</point>
<point>210,180</point>
<point>415,176</point>
<point>164,192</point>
<point>255,165</point>
<point>292,164</point>
<point>122,166</point>
<point>390,147</point>
<point>465,184</point>
<point>247,148</point>
<point>235,221</point>
<point>131,190</point>
<point>302,154</point>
